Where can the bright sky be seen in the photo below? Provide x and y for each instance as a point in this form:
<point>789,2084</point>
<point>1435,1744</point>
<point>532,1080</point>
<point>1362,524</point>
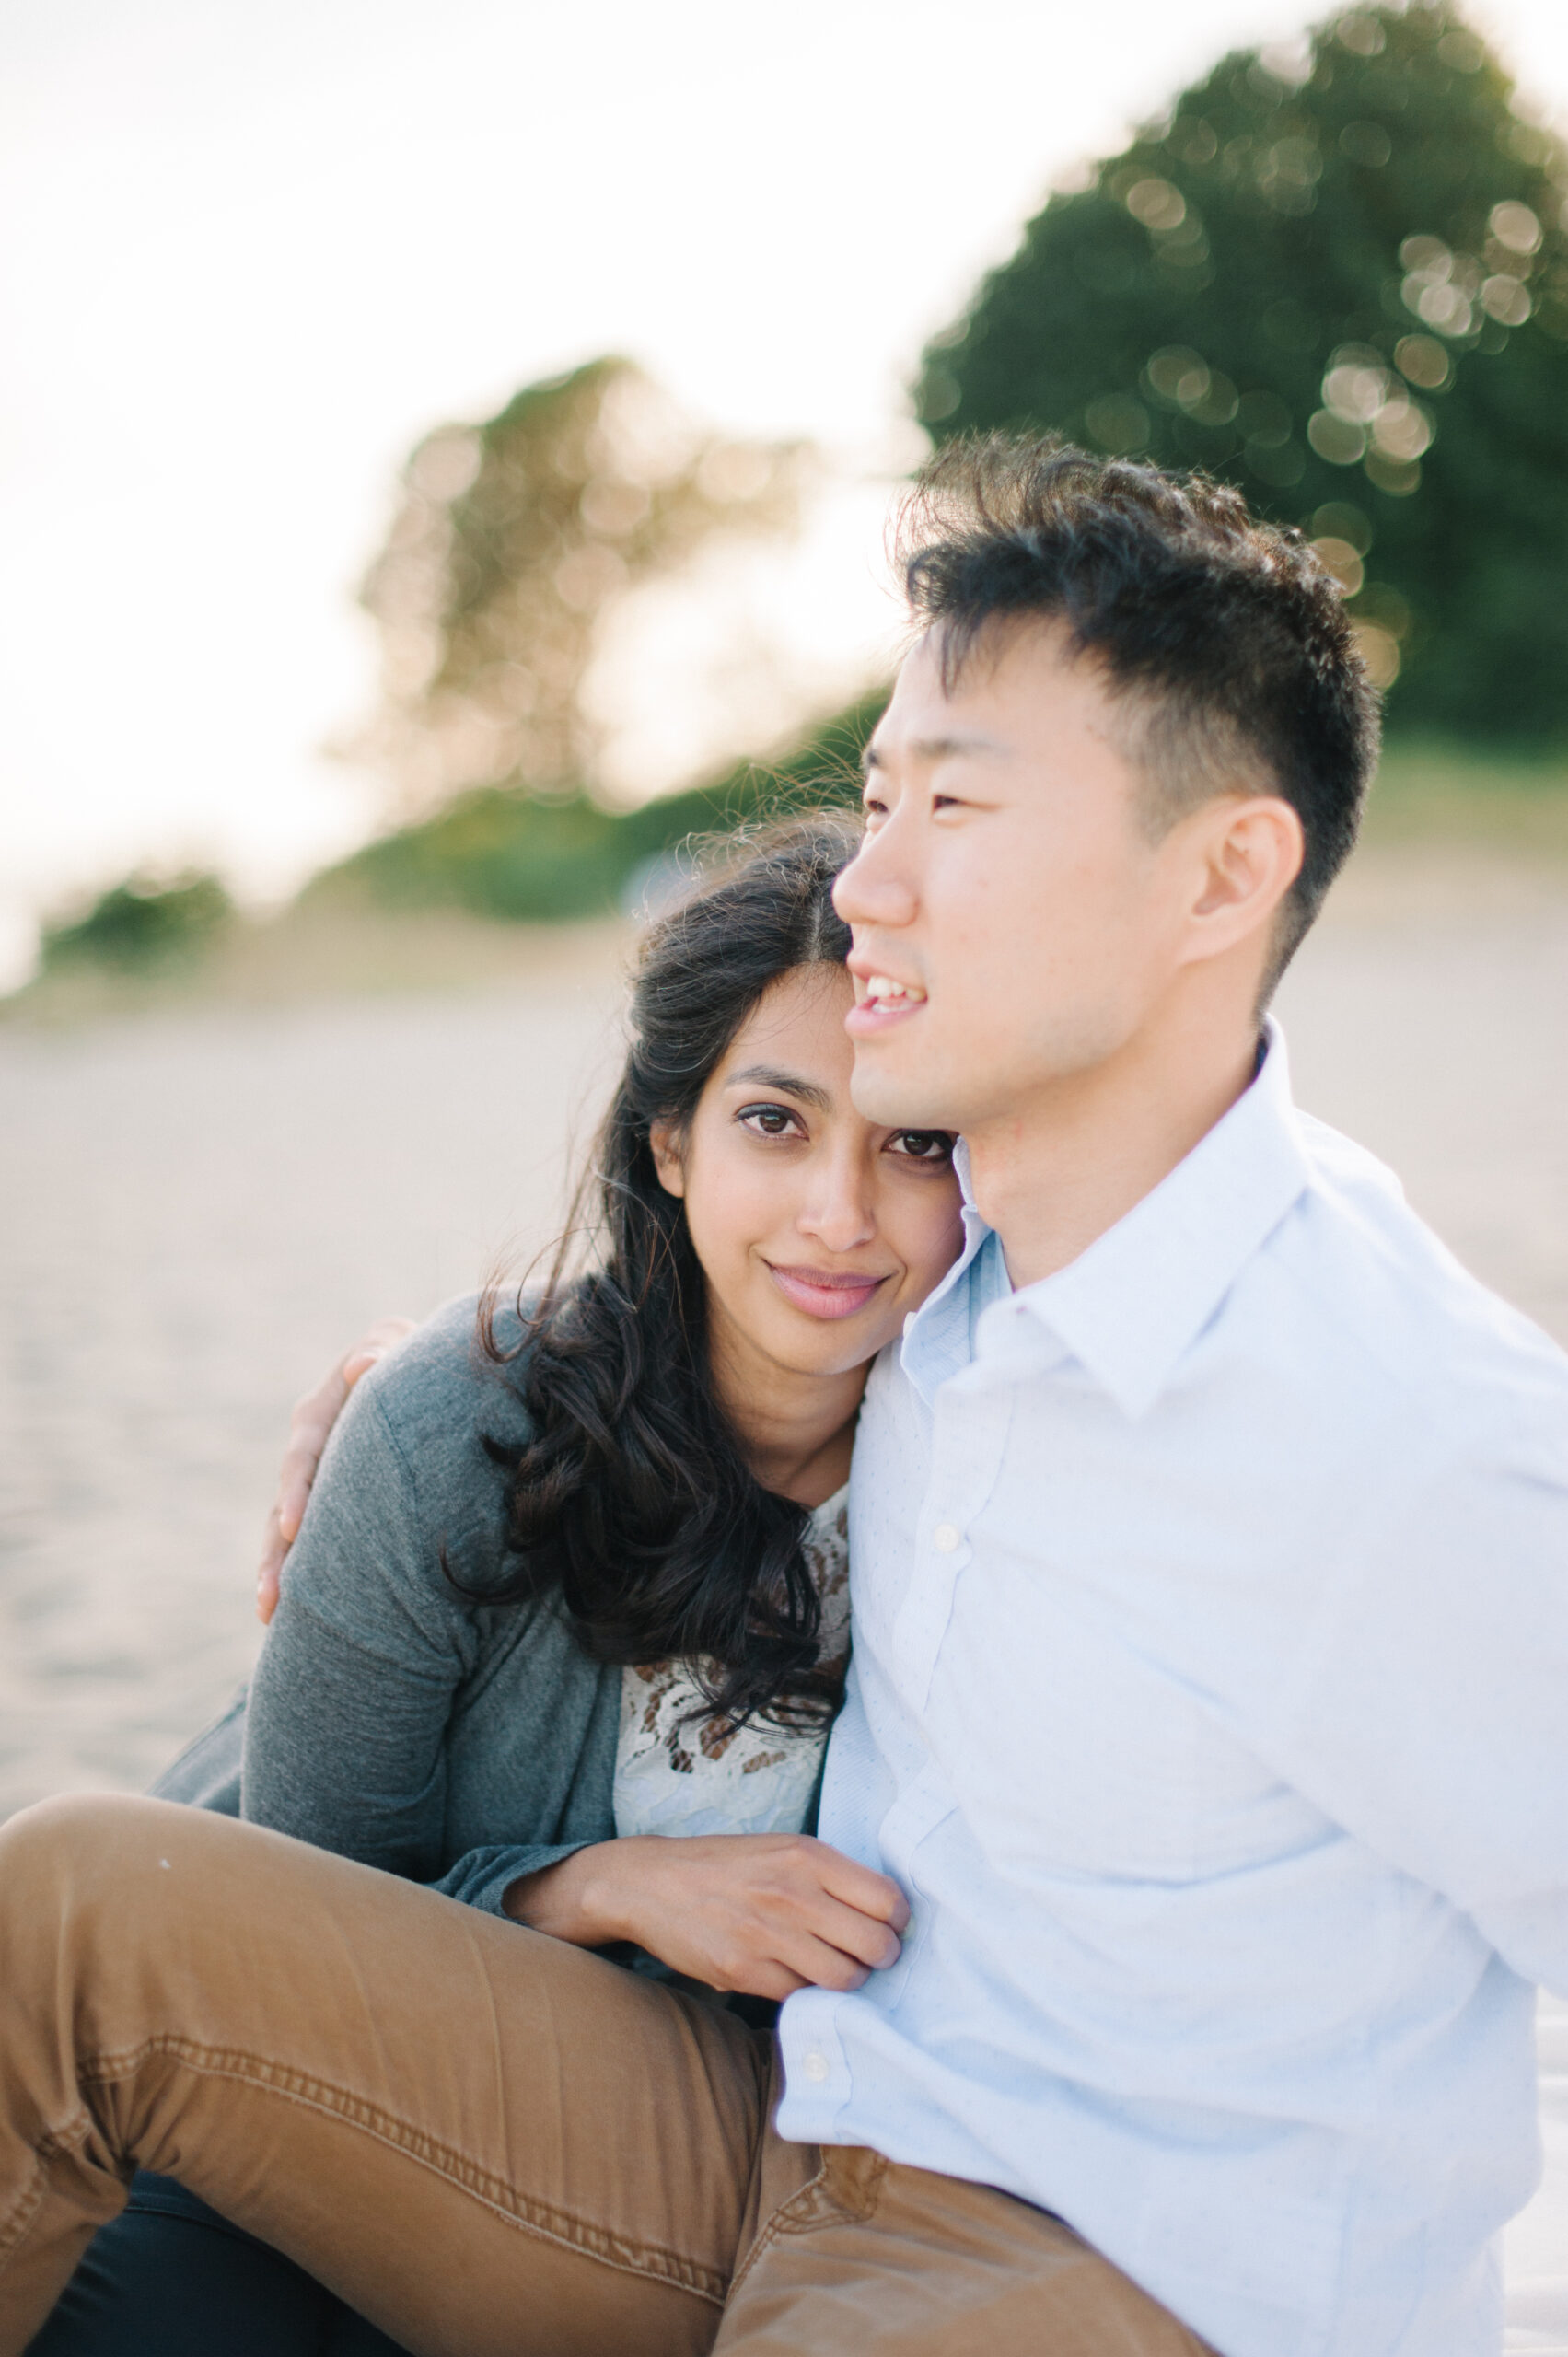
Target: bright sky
<point>256,251</point>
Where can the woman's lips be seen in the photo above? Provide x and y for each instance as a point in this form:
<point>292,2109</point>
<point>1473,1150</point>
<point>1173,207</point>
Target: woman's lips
<point>822,1293</point>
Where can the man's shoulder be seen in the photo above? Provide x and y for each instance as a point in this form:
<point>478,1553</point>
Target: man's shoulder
<point>1381,1286</point>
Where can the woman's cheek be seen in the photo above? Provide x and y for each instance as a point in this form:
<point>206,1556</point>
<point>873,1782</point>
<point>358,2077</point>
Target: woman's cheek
<point>930,1239</point>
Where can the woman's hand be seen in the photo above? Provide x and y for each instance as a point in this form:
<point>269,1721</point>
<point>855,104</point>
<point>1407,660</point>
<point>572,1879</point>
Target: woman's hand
<point>309,1426</point>
<point>764,1912</point>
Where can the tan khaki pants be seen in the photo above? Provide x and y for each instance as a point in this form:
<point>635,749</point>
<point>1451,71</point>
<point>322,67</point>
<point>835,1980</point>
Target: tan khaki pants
<point>490,2143</point>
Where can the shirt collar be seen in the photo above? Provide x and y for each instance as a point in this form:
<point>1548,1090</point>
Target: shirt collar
<point>939,1337</point>
<point>1131,1304</point>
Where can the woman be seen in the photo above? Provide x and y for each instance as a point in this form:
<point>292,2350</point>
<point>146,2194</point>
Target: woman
<point>576,1582</point>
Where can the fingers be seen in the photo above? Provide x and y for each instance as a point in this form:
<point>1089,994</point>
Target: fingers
<point>859,1940</point>
<point>795,1918</point>
<point>309,1428</point>
<point>373,1346</point>
<point>858,1887</point>
<point>273,1549</point>
<point>311,1423</point>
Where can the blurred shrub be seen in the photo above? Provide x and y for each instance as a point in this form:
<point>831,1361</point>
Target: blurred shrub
<point>141,924</point>
<point>504,852</point>
<point>1338,277</point>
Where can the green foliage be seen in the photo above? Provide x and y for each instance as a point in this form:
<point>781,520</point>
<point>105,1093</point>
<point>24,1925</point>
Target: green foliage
<point>140,925</point>
<point>501,851</point>
<point>1341,283</point>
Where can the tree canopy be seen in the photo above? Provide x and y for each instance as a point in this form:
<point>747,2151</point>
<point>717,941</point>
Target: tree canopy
<point>1338,278</point>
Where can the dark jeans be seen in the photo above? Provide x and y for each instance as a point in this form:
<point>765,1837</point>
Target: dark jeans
<point>169,2278</point>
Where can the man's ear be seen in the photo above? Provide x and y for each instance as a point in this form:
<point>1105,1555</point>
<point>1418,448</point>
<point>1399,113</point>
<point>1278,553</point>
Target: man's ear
<point>664,1138</point>
<point>1250,850</point>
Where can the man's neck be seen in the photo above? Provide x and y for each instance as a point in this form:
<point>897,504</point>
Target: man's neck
<point>1086,1148</point>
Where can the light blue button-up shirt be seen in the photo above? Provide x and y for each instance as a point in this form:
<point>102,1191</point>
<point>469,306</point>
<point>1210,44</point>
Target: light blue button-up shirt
<point>1210,1703</point>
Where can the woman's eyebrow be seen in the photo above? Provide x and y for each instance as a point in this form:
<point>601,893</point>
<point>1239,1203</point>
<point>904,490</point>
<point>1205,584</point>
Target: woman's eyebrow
<point>788,1084</point>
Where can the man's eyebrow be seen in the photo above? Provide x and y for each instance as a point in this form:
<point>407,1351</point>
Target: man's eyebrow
<point>933,748</point>
<point>788,1084</point>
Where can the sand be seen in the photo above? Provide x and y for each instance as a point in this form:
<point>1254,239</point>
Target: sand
<point>201,1204</point>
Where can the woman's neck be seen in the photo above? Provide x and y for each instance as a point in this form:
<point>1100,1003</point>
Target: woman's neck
<point>796,1431</point>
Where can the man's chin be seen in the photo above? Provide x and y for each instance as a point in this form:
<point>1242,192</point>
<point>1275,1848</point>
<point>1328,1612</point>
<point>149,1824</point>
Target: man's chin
<point>884,1089</point>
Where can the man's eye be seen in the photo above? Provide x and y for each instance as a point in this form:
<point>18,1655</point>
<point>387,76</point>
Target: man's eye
<point>923,1145</point>
<point>769,1121</point>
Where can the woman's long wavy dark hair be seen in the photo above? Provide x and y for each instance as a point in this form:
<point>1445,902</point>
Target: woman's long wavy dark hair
<point>633,1503</point>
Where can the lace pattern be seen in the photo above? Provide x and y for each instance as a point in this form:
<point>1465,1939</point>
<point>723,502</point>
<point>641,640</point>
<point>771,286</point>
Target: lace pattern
<point>676,1774</point>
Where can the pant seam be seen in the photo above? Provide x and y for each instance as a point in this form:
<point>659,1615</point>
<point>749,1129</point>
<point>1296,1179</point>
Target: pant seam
<point>20,2217</point>
<point>793,2216</point>
<point>313,2093</point>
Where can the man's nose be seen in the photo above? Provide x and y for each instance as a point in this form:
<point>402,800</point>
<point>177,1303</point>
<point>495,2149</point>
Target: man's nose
<point>874,888</point>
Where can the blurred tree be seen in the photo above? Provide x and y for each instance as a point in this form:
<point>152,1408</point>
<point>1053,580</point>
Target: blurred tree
<point>512,538</point>
<point>141,924</point>
<point>1338,277</point>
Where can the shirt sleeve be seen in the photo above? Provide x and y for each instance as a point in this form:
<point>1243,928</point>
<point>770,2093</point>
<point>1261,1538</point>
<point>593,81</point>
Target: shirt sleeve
<point>1430,1713</point>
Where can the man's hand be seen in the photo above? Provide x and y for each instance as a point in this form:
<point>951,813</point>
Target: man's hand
<point>765,1913</point>
<point>309,1426</point>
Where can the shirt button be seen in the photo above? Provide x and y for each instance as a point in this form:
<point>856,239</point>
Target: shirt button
<point>946,1537</point>
<point>816,2068</point>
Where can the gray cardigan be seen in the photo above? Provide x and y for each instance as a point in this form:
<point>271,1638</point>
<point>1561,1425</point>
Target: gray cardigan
<point>389,1719</point>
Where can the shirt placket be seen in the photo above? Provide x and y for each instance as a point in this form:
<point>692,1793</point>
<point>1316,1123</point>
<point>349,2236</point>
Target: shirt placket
<point>972,1416</point>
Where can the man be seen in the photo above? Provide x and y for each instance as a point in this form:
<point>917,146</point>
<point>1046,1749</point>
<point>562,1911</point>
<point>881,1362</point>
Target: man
<point>1209,1536</point>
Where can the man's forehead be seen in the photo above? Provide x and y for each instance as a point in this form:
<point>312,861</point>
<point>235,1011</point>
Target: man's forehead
<point>937,711</point>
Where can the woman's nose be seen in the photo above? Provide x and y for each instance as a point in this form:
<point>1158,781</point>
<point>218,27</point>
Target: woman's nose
<point>839,1213</point>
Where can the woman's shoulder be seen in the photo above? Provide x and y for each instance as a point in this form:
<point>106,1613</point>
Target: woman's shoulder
<point>428,1436</point>
<point>444,1390</point>
<point>409,1490</point>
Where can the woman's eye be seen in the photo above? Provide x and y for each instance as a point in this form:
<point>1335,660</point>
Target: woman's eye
<point>769,1121</point>
<point>923,1145</point>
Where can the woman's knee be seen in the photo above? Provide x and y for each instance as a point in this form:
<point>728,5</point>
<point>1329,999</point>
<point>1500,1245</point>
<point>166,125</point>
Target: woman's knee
<point>43,1848</point>
<point>83,1858</point>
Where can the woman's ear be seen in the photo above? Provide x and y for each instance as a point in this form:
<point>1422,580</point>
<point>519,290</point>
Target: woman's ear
<point>662,1137</point>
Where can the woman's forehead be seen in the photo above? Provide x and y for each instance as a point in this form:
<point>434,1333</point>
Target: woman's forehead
<point>799,1020</point>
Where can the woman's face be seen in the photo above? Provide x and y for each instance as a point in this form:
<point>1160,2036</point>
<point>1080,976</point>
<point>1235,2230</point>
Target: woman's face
<point>818,1232</point>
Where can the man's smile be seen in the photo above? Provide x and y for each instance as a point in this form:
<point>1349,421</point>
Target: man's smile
<point>885,1001</point>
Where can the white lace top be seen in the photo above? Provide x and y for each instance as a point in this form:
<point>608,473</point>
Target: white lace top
<point>676,1774</point>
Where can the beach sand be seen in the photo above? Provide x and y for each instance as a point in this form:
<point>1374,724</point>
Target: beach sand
<point>202,1205</point>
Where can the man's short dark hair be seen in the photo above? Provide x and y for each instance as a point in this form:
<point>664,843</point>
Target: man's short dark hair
<point>1225,637</point>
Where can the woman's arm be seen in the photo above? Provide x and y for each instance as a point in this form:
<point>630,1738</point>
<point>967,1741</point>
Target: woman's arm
<point>354,1691</point>
<point>389,1719</point>
<point>768,1913</point>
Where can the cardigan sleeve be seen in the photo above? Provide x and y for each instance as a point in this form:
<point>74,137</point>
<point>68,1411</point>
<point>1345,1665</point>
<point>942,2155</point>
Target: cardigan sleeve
<point>344,1744</point>
<point>374,1653</point>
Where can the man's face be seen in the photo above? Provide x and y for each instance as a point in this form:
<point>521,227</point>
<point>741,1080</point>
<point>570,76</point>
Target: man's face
<point>1014,924</point>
